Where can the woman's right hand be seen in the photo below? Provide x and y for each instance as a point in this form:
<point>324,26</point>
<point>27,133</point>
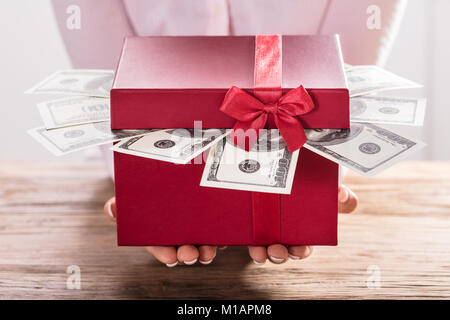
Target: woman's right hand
<point>172,256</point>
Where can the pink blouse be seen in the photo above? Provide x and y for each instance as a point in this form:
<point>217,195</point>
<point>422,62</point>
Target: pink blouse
<point>104,23</point>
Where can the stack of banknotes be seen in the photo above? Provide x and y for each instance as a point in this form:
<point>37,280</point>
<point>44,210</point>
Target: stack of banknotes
<point>81,120</point>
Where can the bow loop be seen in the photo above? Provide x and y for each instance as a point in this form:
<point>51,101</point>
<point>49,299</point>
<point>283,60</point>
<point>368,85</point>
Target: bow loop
<point>234,101</point>
<point>251,113</point>
<point>296,102</point>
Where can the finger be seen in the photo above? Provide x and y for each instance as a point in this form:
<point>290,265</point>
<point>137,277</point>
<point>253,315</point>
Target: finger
<point>347,199</point>
<point>167,255</point>
<point>110,209</point>
<point>187,254</point>
<point>207,254</point>
<point>222,247</point>
<point>277,253</point>
<point>258,254</point>
<point>299,252</point>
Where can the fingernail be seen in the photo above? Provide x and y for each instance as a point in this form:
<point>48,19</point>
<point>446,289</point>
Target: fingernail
<point>190,262</point>
<point>171,265</point>
<point>276,260</point>
<point>259,263</point>
<point>293,257</point>
<point>110,213</point>
<point>205,262</point>
<point>343,194</point>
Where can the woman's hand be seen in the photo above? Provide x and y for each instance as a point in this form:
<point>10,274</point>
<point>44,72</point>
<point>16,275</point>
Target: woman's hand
<point>172,256</point>
<point>277,253</point>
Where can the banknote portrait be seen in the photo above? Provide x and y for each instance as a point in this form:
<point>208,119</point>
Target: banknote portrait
<point>329,137</point>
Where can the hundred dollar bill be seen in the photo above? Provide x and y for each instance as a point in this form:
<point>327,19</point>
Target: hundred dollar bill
<point>69,139</point>
<point>365,148</point>
<point>173,145</point>
<point>267,167</point>
<point>73,111</point>
<point>389,110</point>
<point>367,79</point>
<point>84,82</point>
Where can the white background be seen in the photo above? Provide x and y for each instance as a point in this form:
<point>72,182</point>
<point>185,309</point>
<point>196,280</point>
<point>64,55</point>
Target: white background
<point>32,49</point>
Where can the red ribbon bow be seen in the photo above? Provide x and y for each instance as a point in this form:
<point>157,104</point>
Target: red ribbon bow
<point>251,113</point>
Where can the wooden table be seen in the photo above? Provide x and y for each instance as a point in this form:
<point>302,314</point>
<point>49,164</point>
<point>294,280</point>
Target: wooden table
<point>395,246</point>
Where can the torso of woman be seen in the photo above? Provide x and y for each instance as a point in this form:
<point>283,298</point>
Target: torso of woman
<point>104,23</point>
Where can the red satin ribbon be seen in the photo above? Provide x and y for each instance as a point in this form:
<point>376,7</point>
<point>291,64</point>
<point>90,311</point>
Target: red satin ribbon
<point>252,112</point>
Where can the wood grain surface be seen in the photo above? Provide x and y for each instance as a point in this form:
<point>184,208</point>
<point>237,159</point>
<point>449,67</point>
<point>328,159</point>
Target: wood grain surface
<point>51,218</point>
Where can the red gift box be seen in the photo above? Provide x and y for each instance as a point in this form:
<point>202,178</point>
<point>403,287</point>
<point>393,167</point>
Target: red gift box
<point>170,82</point>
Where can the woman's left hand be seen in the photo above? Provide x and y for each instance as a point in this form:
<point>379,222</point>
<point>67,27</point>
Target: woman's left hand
<point>277,253</point>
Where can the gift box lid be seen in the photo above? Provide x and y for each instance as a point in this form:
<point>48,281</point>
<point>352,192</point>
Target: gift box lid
<point>168,82</point>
